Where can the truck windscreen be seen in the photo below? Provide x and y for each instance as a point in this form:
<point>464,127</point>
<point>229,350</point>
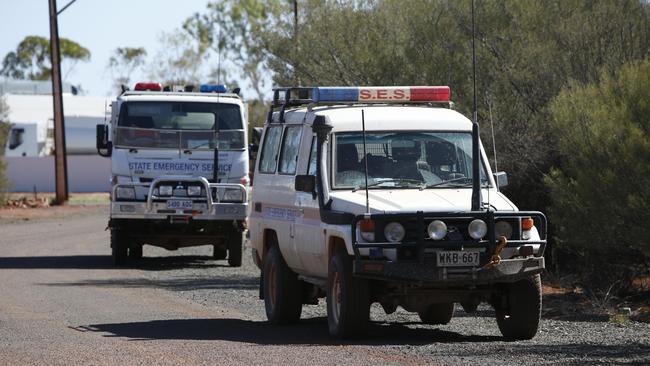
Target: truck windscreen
<point>179,125</point>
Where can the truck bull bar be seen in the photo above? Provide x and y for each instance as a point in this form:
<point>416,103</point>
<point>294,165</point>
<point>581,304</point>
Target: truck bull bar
<point>208,187</point>
<point>421,268</point>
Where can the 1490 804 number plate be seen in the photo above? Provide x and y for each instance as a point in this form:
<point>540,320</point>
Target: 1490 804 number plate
<point>179,204</point>
<point>457,258</point>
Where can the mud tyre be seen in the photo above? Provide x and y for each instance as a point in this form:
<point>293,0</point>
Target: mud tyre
<point>520,319</point>
<point>282,290</point>
<point>348,299</point>
<point>437,314</point>
<point>219,252</point>
<point>119,247</point>
<point>135,251</point>
<point>235,249</point>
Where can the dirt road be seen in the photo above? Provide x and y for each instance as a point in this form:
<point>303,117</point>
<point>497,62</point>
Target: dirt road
<point>62,303</point>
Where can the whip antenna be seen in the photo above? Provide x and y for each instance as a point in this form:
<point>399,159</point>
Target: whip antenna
<point>365,158</point>
<point>476,177</point>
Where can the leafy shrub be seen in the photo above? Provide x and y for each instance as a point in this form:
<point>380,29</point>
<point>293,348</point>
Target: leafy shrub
<point>601,191</point>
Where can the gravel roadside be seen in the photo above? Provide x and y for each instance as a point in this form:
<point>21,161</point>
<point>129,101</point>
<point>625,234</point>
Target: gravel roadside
<point>185,308</point>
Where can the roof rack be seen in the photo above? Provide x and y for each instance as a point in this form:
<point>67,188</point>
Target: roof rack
<point>287,97</point>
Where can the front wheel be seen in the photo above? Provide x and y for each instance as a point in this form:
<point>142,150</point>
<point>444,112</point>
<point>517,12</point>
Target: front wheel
<point>437,313</point>
<point>119,246</point>
<point>135,251</point>
<point>348,298</point>
<point>235,249</point>
<point>282,290</point>
<point>520,318</point>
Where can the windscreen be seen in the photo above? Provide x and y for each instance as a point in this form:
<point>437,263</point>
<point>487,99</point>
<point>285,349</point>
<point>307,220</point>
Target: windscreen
<point>404,159</point>
<point>184,125</point>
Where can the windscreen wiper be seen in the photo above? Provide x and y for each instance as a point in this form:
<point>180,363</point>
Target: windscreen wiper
<point>460,182</point>
<point>389,180</point>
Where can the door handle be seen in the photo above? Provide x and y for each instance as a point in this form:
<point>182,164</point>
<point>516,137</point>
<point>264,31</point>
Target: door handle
<point>133,151</point>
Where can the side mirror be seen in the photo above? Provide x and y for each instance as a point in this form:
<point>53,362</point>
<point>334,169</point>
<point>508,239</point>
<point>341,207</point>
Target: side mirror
<point>257,135</point>
<point>252,151</point>
<point>305,183</point>
<point>104,146</point>
<point>501,178</point>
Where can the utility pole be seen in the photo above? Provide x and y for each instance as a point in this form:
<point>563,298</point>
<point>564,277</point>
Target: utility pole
<point>60,160</point>
<point>296,78</point>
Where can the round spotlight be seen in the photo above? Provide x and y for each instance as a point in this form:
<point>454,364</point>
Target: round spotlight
<point>503,228</point>
<point>394,232</point>
<point>437,230</point>
<point>477,229</point>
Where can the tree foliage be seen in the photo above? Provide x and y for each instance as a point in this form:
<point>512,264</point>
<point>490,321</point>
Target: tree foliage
<point>4,129</point>
<point>180,60</point>
<point>235,31</point>
<point>123,62</point>
<point>600,192</point>
<point>31,59</point>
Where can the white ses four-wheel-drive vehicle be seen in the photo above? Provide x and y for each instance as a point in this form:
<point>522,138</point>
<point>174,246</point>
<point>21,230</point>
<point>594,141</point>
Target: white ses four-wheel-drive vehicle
<point>165,191</point>
<point>384,194</point>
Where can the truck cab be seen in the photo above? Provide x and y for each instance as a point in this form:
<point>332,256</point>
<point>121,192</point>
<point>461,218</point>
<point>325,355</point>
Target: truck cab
<point>384,194</point>
<point>164,145</point>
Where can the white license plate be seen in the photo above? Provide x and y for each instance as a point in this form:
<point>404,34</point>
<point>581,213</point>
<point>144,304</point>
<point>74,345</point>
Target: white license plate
<point>457,258</point>
<point>179,204</point>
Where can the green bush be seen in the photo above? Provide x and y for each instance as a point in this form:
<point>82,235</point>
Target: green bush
<point>601,191</point>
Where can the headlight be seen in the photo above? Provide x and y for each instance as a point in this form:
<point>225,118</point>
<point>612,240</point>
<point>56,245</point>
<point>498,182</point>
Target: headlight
<point>233,195</point>
<point>166,190</point>
<point>125,193</point>
<point>194,190</point>
<point>394,232</point>
<point>437,230</point>
<point>503,228</point>
<point>477,229</point>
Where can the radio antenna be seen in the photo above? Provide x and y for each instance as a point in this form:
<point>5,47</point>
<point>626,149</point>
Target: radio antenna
<point>476,177</point>
<point>365,158</point>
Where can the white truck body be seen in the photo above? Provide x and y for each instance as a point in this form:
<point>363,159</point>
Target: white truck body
<point>162,148</point>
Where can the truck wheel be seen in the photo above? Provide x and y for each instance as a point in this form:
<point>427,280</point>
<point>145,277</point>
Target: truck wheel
<point>235,250</point>
<point>348,298</point>
<point>119,247</point>
<point>520,320</point>
<point>437,313</point>
<point>219,252</point>
<point>282,290</point>
<point>135,251</point>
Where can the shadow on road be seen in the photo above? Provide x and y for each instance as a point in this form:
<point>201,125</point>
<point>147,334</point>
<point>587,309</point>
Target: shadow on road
<point>308,331</point>
<point>236,282</point>
<point>105,262</point>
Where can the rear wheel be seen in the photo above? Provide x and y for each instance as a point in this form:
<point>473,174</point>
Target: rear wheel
<point>219,252</point>
<point>520,318</point>
<point>135,251</point>
<point>348,298</point>
<point>282,290</point>
<point>235,249</point>
<point>119,246</point>
<point>435,314</point>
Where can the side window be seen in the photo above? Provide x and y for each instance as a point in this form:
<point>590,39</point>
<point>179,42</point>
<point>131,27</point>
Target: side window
<point>290,146</point>
<point>312,157</point>
<point>269,157</point>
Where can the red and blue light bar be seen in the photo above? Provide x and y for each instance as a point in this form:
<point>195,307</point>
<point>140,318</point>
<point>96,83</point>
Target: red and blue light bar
<point>213,88</point>
<point>382,94</point>
<point>148,87</point>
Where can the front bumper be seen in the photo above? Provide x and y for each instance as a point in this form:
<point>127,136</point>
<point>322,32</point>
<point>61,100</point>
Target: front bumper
<point>507,270</point>
<point>203,207</point>
<point>420,266</point>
